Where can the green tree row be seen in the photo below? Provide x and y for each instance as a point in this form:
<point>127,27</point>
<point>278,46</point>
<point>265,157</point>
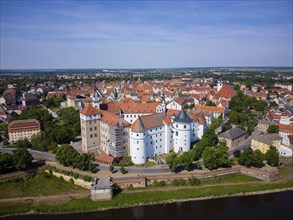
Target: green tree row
<point>68,156</point>
<point>20,159</point>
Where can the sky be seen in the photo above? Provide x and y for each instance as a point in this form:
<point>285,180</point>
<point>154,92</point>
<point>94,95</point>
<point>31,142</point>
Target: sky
<point>46,34</point>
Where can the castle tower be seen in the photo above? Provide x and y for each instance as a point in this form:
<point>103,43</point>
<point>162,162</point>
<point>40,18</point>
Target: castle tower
<point>163,101</point>
<point>96,96</point>
<point>137,143</point>
<point>219,85</point>
<point>181,136</point>
<point>90,128</point>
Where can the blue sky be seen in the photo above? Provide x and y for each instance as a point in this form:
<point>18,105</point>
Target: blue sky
<point>145,34</point>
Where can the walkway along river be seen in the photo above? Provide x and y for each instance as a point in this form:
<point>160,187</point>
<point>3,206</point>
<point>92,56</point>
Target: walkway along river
<point>270,206</point>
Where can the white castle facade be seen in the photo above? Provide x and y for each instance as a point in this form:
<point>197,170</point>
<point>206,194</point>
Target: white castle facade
<point>140,130</point>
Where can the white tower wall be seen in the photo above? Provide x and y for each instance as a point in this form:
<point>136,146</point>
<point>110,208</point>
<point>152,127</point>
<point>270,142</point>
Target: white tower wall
<point>181,136</point>
<point>137,148</point>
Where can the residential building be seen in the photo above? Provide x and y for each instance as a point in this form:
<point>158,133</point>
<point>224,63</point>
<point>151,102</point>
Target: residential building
<point>263,125</point>
<point>264,141</point>
<point>23,129</point>
<point>232,137</point>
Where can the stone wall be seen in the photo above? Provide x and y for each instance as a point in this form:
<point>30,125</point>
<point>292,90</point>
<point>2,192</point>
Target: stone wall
<point>125,182</point>
<point>79,182</point>
<point>101,194</point>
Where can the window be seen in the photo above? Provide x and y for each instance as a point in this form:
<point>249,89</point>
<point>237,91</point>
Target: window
<point>95,128</point>
<point>91,136</point>
<point>176,133</point>
<point>184,126</point>
<point>176,125</point>
<point>91,129</point>
<point>137,148</point>
<point>137,135</point>
<point>95,135</point>
<point>137,142</point>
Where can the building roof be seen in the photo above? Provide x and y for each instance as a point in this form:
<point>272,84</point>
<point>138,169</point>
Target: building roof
<point>128,108</point>
<point>232,133</point>
<point>180,100</point>
<point>211,108</point>
<point>265,122</point>
<point>225,92</point>
<point>197,115</point>
<point>267,138</point>
<point>90,110</point>
<point>24,125</point>
<point>105,158</point>
<point>148,121</point>
<point>113,119</point>
<point>182,117</point>
<point>286,128</point>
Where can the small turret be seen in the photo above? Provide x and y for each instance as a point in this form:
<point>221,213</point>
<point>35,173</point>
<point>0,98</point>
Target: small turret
<point>96,96</point>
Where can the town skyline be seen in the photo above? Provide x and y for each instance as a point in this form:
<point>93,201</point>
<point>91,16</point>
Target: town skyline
<point>145,34</point>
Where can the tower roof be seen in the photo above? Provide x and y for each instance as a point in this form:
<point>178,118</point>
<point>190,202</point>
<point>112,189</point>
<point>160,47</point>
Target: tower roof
<point>90,110</point>
<point>182,117</point>
<point>138,126</point>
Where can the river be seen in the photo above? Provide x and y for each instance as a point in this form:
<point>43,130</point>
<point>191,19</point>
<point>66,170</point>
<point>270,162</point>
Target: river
<point>267,206</point>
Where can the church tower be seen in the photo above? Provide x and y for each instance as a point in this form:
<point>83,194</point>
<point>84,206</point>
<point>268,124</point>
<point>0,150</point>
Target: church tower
<point>96,96</point>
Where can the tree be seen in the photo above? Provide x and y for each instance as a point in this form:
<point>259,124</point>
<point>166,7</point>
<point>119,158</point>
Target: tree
<point>6,163</point>
<point>237,153</point>
<point>122,170</point>
<point>210,103</point>
<point>209,158</point>
<point>170,159</point>
<point>23,144</point>
<point>273,129</point>
<point>210,137</point>
<point>111,168</point>
<point>194,181</point>
<point>186,159</point>
<point>250,158</point>
<point>272,156</point>
<point>4,129</point>
<point>246,158</point>
<point>258,159</point>
<point>22,159</point>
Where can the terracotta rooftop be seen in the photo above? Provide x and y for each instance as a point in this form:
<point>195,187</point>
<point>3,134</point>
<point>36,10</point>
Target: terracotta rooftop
<point>104,158</point>
<point>132,107</point>
<point>90,110</point>
<point>147,121</point>
<point>210,108</point>
<point>286,128</point>
<point>24,125</point>
<point>225,92</point>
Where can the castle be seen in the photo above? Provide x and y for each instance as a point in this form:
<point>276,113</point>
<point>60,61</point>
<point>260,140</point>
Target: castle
<point>139,130</point>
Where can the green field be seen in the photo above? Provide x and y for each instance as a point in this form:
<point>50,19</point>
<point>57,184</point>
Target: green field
<point>36,185</point>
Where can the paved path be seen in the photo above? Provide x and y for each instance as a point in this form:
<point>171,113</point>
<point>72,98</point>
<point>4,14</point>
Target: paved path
<point>34,153</point>
<point>55,197</point>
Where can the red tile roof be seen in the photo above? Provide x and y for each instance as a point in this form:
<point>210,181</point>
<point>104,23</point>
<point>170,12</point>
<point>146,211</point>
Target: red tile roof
<point>90,110</point>
<point>210,108</point>
<point>225,92</point>
<point>24,125</point>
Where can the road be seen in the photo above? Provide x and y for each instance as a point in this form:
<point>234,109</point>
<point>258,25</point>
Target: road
<point>34,153</point>
<point>244,144</point>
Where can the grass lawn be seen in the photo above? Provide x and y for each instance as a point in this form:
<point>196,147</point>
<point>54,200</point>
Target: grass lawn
<point>149,197</point>
<point>36,185</point>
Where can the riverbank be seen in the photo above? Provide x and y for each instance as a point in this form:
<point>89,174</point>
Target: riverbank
<point>125,200</point>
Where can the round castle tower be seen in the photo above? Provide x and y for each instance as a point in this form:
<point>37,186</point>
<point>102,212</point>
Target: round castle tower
<point>181,136</point>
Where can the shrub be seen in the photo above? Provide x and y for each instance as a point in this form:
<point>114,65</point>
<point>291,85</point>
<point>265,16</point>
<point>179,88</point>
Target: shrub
<point>178,182</point>
<point>71,181</point>
<point>194,181</point>
<point>87,178</point>
<point>159,183</point>
<point>75,175</point>
<point>61,178</point>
